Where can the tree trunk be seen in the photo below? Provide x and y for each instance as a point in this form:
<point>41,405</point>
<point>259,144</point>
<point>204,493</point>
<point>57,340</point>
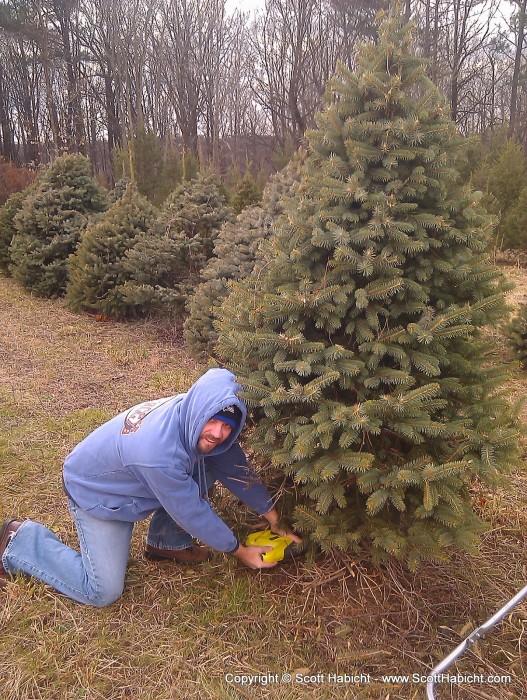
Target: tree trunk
<point>75,126</point>
<point>6,135</point>
<point>46,67</point>
<point>113,126</point>
<point>517,66</point>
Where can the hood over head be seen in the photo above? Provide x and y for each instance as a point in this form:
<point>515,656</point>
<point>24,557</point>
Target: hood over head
<point>213,392</point>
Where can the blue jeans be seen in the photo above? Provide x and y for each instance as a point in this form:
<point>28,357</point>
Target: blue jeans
<point>95,575</point>
<point>165,533</point>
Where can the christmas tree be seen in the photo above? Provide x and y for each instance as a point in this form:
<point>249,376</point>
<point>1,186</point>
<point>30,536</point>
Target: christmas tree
<point>7,228</point>
<point>119,189</point>
<point>504,179</point>
<point>235,255</point>
<point>50,222</point>
<point>164,264</point>
<point>97,272</point>
<point>514,224</point>
<point>245,194</point>
<point>360,346</point>
<point>516,332</point>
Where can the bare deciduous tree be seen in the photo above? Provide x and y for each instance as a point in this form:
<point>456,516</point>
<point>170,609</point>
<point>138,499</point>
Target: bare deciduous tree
<point>90,75</point>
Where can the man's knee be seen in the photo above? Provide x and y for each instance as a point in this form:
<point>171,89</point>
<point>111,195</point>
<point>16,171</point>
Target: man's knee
<point>106,595</point>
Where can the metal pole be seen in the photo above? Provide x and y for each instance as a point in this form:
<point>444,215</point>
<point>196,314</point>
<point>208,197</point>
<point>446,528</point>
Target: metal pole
<point>473,637</point>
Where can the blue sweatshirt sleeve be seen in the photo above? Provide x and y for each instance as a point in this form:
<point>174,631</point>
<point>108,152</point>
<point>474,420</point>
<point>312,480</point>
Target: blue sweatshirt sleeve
<point>232,469</point>
<point>178,493</point>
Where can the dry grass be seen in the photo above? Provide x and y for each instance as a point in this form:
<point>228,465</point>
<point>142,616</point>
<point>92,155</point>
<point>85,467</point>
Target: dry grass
<point>177,632</point>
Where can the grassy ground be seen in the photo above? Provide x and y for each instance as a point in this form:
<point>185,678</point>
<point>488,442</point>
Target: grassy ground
<point>178,632</point>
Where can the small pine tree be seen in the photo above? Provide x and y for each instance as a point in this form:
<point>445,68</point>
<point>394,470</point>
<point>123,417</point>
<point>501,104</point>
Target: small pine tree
<point>118,190</point>
<point>165,263</point>
<point>359,347</point>
<point>157,169</point>
<point>189,166</point>
<point>97,273</point>
<point>7,228</point>
<point>145,155</point>
<point>513,223</point>
<point>516,331</point>
<point>502,175</point>
<point>245,194</point>
<point>507,173</point>
<point>50,222</point>
<point>236,254</point>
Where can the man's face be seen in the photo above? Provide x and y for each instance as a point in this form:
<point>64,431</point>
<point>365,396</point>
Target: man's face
<point>213,434</point>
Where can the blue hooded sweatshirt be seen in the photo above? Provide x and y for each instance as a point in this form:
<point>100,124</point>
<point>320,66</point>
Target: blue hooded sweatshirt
<point>144,458</point>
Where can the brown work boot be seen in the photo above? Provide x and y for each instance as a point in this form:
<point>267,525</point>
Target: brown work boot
<point>8,529</point>
<point>189,555</point>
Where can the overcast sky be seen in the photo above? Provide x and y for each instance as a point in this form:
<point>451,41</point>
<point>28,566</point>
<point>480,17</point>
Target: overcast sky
<point>244,5</point>
<point>504,12</point>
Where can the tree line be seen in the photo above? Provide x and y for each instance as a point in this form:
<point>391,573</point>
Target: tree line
<point>90,75</point>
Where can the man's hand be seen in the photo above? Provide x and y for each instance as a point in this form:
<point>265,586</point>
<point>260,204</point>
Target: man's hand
<point>252,557</point>
<point>279,528</point>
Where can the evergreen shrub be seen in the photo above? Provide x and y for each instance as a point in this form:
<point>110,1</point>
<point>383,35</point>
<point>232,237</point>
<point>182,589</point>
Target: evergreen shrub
<point>164,264</point>
<point>7,228</point>
<point>50,222</point>
<point>97,271</point>
<point>157,168</point>
<point>513,224</point>
<point>118,190</point>
<point>516,332</point>
<point>235,255</point>
<point>246,193</point>
<point>502,175</point>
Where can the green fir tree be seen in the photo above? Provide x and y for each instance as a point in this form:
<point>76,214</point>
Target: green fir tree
<point>118,190</point>
<point>516,332</point>
<point>141,161</point>
<point>359,347</point>
<point>165,263</point>
<point>7,228</point>
<point>502,176</point>
<point>236,254</point>
<point>246,193</point>
<point>514,224</point>
<point>50,222</point>
<point>97,271</point>
<point>155,167</point>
